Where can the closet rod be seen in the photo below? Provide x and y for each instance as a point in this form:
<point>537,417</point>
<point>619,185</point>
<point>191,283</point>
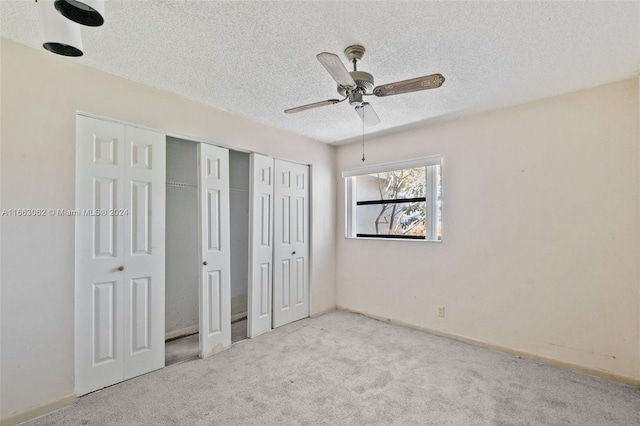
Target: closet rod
<point>181,185</point>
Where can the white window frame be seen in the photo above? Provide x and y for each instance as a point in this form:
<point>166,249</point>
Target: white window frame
<point>431,195</point>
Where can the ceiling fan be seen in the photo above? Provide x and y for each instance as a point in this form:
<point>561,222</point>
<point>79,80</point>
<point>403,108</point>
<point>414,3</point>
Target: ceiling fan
<point>355,85</point>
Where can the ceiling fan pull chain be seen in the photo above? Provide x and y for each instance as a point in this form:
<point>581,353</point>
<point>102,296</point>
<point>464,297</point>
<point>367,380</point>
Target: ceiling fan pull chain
<point>362,133</point>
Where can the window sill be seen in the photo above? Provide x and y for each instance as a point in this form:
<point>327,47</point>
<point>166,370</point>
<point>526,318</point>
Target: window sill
<point>392,239</point>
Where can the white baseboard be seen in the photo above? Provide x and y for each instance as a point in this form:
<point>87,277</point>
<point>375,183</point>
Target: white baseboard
<point>539,358</point>
<point>195,328</point>
<point>322,312</point>
<point>39,411</point>
<point>182,332</point>
<point>238,316</point>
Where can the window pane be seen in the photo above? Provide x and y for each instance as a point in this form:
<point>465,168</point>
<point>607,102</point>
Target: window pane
<point>391,219</point>
<point>405,183</point>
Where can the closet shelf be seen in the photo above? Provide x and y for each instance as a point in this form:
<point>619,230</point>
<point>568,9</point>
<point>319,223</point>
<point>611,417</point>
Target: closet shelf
<point>188,185</point>
<point>181,185</point>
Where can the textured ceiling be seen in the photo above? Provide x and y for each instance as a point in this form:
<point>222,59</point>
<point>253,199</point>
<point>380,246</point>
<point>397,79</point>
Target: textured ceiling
<point>257,58</point>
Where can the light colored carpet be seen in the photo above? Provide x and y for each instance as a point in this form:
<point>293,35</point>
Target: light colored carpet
<point>346,369</point>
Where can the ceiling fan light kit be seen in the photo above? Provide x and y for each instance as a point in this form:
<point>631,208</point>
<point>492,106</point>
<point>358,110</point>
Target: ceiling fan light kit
<point>356,84</point>
<point>367,114</point>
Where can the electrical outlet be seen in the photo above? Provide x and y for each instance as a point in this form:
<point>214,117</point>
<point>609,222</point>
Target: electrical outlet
<point>441,311</point>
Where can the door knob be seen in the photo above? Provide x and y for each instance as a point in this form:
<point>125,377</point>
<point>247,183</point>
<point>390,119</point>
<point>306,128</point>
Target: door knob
<point>204,263</point>
<point>293,252</point>
<point>120,268</point>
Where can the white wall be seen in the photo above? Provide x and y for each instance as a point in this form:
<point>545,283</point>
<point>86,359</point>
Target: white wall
<point>239,223</point>
<point>41,93</point>
<point>541,232</point>
<point>182,263</point>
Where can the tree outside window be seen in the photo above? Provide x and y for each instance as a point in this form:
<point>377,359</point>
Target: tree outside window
<point>400,203</point>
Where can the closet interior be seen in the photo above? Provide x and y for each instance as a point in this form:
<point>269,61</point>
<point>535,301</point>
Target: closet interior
<point>239,223</point>
<point>183,263</point>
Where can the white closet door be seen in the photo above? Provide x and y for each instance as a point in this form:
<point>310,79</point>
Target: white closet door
<point>144,251</point>
<point>119,318</point>
<point>215,284</point>
<point>100,187</point>
<point>261,250</point>
<point>291,243</point>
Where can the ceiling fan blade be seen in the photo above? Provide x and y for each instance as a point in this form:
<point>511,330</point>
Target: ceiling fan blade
<point>432,81</point>
<point>311,106</point>
<point>336,68</point>
<point>367,114</point>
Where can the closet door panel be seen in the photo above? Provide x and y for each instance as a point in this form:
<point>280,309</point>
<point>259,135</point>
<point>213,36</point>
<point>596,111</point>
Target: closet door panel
<point>261,249</point>
<point>215,283</point>
<point>119,319</point>
<point>144,249</point>
<point>291,245</point>
<point>99,255</point>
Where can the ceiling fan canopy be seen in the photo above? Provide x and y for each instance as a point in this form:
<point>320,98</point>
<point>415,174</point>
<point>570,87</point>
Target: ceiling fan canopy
<point>355,85</point>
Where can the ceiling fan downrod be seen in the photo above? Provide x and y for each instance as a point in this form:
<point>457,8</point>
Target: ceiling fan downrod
<point>363,80</point>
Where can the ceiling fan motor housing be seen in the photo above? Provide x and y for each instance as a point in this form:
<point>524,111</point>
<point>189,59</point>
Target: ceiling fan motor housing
<point>355,98</point>
<point>364,83</point>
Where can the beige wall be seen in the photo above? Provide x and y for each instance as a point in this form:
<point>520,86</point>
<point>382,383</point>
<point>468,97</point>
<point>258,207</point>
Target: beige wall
<point>40,96</point>
<point>541,232</point>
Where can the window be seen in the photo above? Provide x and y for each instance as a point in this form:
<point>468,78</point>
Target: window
<point>400,200</point>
